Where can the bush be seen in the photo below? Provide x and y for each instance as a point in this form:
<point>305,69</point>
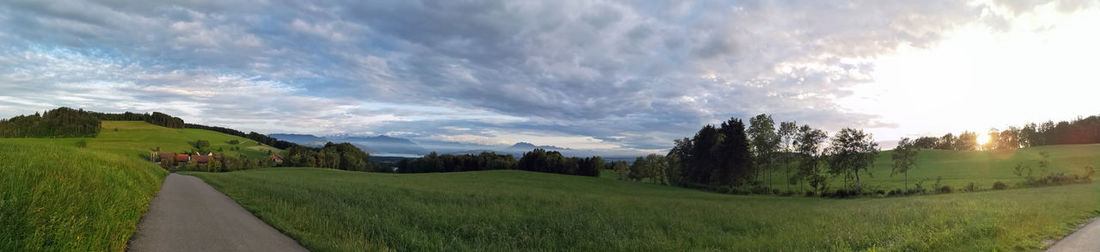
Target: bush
<point>971,187</point>
<point>82,143</point>
<point>895,193</point>
<point>999,185</point>
<point>945,189</point>
<point>810,194</point>
<point>234,142</point>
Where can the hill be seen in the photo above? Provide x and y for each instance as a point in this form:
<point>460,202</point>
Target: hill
<point>55,195</point>
<point>960,168</point>
<point>514,210</point>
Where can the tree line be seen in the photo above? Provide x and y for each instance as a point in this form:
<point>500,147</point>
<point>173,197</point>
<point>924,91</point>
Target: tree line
<point>59,122</point>
<point>537,160</point>
<point>1079,131</point>
<point>731,157</point>
<point>342,156</point>
<point>434,162</point>
<point>156,118</point>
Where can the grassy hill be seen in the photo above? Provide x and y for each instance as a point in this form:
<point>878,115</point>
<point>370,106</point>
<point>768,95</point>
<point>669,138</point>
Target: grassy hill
<point>331,210</point>
<point>137,138</point>
<point>57,196</point>
<point>958,169</point>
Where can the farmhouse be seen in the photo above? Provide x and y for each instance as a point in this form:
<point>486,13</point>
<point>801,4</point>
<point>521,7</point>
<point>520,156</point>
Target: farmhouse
<point>275,157</point>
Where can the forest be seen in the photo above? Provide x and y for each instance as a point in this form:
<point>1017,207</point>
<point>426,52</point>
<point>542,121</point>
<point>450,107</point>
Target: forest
<point>60,122</point>
<point>537,160</point>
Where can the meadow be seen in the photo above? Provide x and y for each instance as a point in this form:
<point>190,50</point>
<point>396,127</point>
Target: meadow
<point>57,196</point>
<point>331,210</point>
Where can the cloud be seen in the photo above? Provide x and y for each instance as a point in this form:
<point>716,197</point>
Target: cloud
<point>627,74</point>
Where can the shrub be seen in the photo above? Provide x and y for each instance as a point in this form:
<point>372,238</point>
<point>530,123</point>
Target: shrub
<point>971,187</point>
<point>945,189</point>
<point>234,142</point>
<point>999,185</point>
<point>82,143</point>
<point>810,194</point>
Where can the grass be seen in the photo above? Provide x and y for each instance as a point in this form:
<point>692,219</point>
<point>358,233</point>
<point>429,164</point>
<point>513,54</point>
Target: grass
<point>138,138</point>
<point>330,210</point>
<point>958,169</point>
<point>55,196</point>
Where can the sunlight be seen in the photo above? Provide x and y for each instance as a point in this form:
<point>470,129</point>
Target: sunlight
<point>982,139</point>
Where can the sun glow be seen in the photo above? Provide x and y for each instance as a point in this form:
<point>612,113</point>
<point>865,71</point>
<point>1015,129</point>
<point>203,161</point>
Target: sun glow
<point>982,139</point>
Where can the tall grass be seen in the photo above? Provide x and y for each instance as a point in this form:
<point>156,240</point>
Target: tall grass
<point>328,210</point>
<point>55,196</point>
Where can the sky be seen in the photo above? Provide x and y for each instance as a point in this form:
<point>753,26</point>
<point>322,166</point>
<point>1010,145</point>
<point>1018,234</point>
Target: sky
<point>613,76</point>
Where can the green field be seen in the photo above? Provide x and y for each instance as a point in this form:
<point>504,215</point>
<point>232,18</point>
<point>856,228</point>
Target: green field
<point>56,196</point>
<point>330,210</point>
<point>958,169</point>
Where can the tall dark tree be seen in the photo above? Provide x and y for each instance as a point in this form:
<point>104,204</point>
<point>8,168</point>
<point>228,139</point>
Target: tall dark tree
<point>736,166</point>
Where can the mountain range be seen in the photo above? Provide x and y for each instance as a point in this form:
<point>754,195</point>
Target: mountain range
<point>383,145</point>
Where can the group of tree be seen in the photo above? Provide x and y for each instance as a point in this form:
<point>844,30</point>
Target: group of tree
<point>156,118</point>
<point>540,160</point>
<point>434,162</point>
<point>60,122</point>
<point>537,160</point>
<point>1079,131</point>
<point>714,157</point>
<point>655,168</point>
<point>729,156</point>
<point>342,156</point>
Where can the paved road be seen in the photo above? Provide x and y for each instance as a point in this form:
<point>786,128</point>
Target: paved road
<point>1085,239</point>
<point>189,215</point>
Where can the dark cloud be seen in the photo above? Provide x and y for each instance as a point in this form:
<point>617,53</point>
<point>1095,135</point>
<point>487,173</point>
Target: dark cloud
<point>632,74</point>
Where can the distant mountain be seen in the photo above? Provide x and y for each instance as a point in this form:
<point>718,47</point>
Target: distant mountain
<point>525,147</point>
<point>305,140</point>
<point>376,145</point>
<point>383,145</point>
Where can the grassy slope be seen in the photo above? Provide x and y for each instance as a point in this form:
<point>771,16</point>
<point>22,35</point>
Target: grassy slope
<point>55,196</point>
<point>137,138</point>
<point>330,210</point>
<point>961,168</point>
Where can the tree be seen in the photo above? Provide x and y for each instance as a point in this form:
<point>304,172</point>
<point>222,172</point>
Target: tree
<point>622,169</point>
<point>765,142</point>
<point>788,131</point>
<point>202,144</point>
<point>850,152</point>
<point>808,145</point>
<point>680,155</point>
<point>947,142</point>
<point>905,158</point>
<point>925,142</point>
<point>967,141</point>
<point>736,165</point>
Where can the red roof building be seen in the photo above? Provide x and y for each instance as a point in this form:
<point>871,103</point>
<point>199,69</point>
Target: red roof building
<point>181,158</point>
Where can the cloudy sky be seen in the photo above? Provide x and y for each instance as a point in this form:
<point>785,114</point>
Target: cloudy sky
<point>625,76</point>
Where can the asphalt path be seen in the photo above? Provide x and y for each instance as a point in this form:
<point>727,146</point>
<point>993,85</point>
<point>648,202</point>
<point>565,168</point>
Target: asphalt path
<point>1085,239</point>
<point>189,215</point>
